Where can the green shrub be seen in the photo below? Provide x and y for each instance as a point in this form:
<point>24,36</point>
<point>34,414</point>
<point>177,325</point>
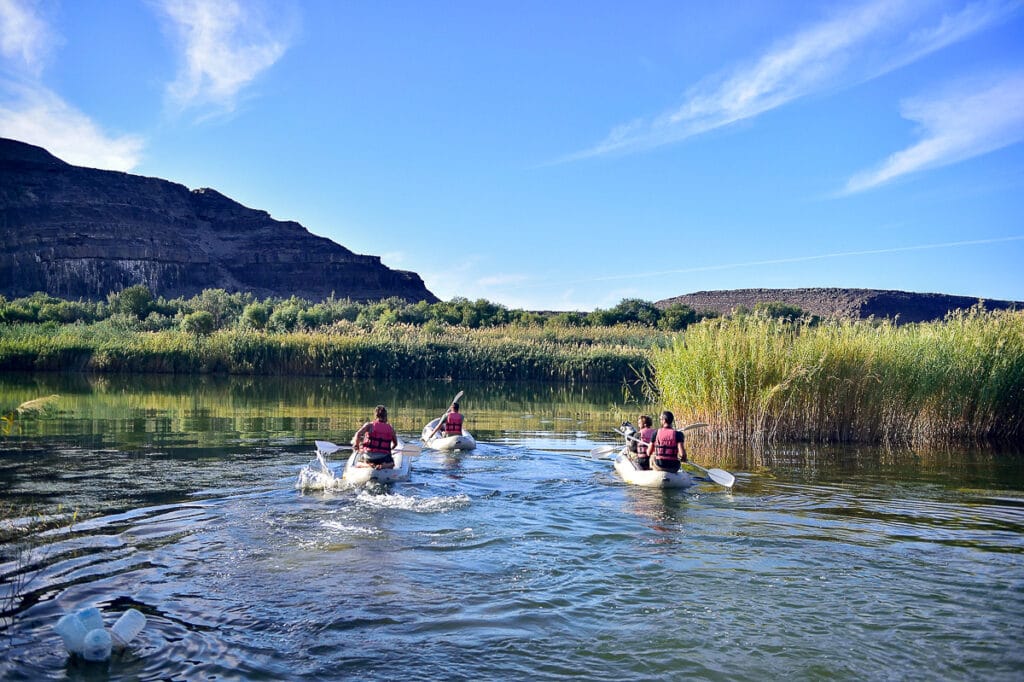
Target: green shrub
<point>200,323</point>
<point>134,301</point>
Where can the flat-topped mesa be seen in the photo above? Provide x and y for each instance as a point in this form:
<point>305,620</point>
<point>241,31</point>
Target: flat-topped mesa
<point>903,306</point>
<point>81,232</point>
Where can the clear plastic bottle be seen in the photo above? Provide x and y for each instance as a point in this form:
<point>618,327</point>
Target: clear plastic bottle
<point>72,631</point>
<point>127,627</point>
<point>91,618</point>
<point>97,645</point>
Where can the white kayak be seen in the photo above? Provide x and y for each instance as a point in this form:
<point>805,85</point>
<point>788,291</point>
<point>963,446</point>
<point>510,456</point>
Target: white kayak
<point>357,471</point>
<point>464,441</point>
<point>650,478</point>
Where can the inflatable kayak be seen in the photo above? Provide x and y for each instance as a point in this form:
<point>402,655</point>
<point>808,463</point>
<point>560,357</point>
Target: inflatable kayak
<point>440,441</point>
<point>650,478</point>
<point>357,471</point>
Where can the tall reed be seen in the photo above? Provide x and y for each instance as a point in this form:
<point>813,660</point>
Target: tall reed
<point>345,349</point>
<point>755,377</point>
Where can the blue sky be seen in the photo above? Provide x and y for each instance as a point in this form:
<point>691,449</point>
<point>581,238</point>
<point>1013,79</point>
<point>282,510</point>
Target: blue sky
<point>565,155</point>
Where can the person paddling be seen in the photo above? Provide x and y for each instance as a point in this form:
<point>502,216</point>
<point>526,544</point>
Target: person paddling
<point>668,449</point>
<point>376,439</point>
<point>451,422</point>
<point>642,446</point>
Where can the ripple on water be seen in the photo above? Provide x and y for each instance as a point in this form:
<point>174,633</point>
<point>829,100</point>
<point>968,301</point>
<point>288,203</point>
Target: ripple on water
<point>515,565</point>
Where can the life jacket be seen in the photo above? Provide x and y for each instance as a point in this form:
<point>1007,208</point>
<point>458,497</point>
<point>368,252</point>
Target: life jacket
<point>666,444</point>
<point>453,424</point>
<point>379,437</point>
<point>646,435</point>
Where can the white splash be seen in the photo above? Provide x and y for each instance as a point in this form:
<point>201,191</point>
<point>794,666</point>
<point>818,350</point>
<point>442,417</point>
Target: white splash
<point>317,475</point>
<point>427,505</point>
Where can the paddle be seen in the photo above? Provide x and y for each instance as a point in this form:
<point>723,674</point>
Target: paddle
<point>719,476</point>
<point>326,447</point>
<point>441,418</point>
<point>604,451</point>
<point>408,449</point>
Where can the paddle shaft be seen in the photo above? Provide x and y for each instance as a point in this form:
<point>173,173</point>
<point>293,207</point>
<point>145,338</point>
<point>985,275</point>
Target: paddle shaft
<point>719,476</point>
<point>440,419</point>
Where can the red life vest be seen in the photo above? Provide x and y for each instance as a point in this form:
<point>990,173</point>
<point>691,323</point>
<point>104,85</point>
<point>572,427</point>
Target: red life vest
<point>646,436</point>
<point>453,424</point>
<point>379,437</point>
<point>666,444</point>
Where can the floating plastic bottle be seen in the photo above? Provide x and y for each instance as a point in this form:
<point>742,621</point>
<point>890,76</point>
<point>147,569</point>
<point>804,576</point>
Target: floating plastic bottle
<point>97,645</point>
<point>72,631</point>
<point>91,618</point>
<point>127,627</point>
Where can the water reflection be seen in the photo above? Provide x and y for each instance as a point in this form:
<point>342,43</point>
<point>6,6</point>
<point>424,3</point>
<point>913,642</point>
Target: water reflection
<point>524,558</point>
<point>134,410</point>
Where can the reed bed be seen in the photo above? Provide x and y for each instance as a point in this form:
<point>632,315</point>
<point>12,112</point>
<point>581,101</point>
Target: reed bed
<point>343,350</point>
<point>755,378</point>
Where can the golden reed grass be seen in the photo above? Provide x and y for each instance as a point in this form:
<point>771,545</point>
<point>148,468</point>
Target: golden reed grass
<point>758,378</point>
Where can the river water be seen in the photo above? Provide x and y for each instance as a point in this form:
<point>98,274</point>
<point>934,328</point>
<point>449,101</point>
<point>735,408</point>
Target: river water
<point>524,559</point>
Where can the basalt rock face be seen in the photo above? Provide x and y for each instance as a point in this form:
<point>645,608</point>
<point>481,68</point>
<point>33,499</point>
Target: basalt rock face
<point>81,233</point>
<point>902,306</point>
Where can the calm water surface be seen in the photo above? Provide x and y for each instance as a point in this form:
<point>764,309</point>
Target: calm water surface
<point>525,559</point>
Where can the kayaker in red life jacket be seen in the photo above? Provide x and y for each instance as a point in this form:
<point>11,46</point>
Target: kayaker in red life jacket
<point>451,422</point>
<point>376,439</point>
<point>667,447</point>
<point>646,435</point>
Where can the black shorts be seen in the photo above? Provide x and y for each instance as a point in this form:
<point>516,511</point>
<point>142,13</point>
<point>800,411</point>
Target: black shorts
<point>669,465</point>
<point>376,458</point>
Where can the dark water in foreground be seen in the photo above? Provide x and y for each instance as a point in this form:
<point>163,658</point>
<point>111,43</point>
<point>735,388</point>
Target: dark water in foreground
<point>525,559</point>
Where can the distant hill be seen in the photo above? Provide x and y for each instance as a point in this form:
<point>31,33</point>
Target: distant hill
<point>851,303</point>
<point>80,232</point>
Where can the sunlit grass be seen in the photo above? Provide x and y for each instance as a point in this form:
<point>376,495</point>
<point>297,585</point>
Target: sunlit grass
<point>755,377</point>
<point>346,349</point>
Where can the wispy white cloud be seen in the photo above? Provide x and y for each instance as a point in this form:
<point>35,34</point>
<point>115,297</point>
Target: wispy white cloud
<point>225,47</point>
<point>31,112</point>
<point>24,37</point>
<point>862,43</point>
<point>966,121</point>
<point>40,117</point>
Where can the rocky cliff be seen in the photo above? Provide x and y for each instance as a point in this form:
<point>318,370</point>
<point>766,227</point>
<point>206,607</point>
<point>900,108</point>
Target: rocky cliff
<point>854,303</point>
<point>80,233</point>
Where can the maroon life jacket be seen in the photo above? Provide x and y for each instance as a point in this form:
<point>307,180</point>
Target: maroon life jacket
<point>666,444</point>
<point>379,437</point>
<point>453,424</point>
<point>646,436</point>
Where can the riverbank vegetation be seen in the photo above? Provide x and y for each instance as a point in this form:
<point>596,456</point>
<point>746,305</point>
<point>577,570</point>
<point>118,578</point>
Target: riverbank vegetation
<point>218,332</point>
<point>759,377</point>
<point>344,349</point>
<point>762,374</point>
<point>136,309</point>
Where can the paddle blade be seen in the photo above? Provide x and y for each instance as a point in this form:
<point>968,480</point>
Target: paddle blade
<point>721,477</point>
<point>408,449</point>
<point>604,451</point>
<point>690,427</point>
<point>327,447</point>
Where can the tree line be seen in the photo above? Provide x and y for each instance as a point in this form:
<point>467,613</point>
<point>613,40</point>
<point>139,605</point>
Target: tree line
<point>136,308</point>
